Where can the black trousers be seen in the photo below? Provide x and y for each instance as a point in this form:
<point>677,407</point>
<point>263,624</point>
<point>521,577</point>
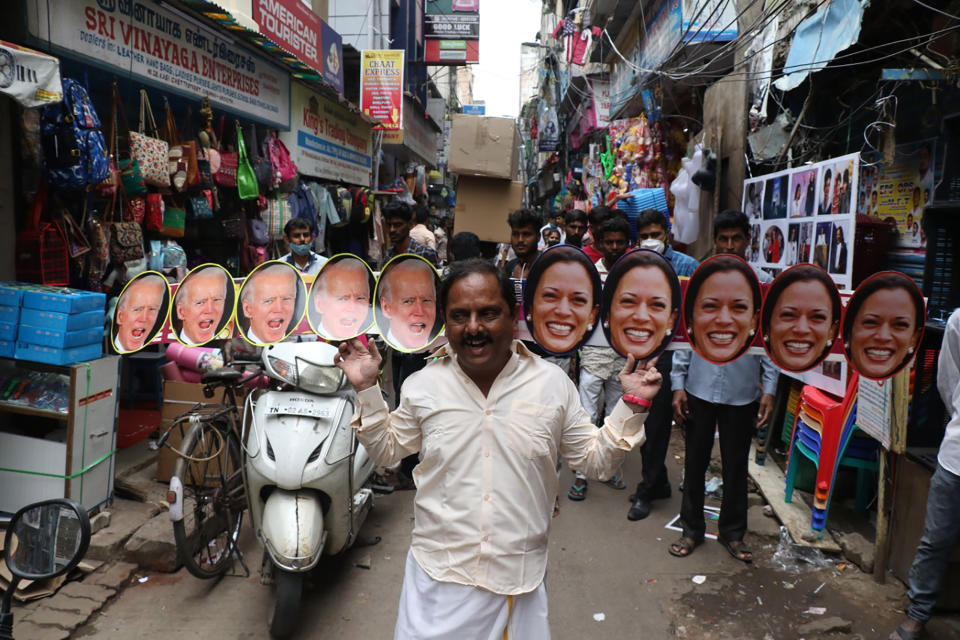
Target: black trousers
<point>736,425</point>
<point>654,482</point>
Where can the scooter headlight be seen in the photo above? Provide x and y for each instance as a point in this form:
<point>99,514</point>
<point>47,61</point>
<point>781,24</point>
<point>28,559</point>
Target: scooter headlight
<point>284,369</point>
<point>319,379</point>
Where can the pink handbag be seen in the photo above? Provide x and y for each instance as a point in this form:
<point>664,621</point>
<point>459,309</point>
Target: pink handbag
<point>284,169</point>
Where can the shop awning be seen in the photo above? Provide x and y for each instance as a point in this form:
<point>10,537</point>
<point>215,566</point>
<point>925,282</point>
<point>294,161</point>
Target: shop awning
<point>296,67</point>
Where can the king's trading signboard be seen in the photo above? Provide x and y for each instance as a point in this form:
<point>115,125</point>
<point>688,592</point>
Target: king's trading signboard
<point>166,48</point>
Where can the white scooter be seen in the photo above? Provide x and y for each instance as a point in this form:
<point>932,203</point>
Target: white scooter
<point>303,469</point>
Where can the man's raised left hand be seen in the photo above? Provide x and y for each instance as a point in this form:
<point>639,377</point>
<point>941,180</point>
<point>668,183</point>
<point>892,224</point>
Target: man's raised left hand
<point>640,378</point>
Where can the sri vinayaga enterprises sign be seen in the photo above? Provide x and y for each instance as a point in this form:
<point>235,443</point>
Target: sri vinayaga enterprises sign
<point>327,140</point>
<point>167,48</point>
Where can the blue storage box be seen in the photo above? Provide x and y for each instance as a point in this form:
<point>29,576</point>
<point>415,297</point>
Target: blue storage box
<point>53,355</point>
<point>57,321</point>
<point>8,331</point>
<point>9,314</point>
<point>59,339</point>
<point>11,293</point>
<point>63,299</point>
<point>7,348</point>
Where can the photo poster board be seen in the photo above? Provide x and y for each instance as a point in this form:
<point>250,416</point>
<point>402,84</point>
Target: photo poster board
<point>874,409</point>
<point>805,214</point>
<point>900,192</point>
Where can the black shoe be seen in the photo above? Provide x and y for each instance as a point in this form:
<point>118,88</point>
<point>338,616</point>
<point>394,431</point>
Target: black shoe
<point>639,510</point>
<point>663,493</point>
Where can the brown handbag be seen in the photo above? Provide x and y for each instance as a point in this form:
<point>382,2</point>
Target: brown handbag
<point>182,156</point>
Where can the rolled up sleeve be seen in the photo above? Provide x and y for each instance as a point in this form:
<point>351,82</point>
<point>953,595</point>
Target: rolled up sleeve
<point>387,437</point>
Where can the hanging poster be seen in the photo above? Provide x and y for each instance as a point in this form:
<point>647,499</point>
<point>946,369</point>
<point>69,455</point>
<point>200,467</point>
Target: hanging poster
<point>899,193</point>
<point>381,87</point>
<point>167,48</point>
<point>804,214</point>
<point>29,77</point>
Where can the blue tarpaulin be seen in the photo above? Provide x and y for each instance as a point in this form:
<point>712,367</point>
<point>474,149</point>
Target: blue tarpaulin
<point>819,39</point>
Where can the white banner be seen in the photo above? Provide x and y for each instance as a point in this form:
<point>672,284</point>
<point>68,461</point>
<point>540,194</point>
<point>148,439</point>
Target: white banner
<point>30,77</point>
<point>168,48</point>
<point>327,141</point>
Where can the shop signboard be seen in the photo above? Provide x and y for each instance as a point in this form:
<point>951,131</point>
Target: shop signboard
<point>899,192</point>
<point>29,77</point>
<point>452,32</point>
<point>167,48</point>
<point>297,29</point>
<point>676,22</point>
<point>417,136</point>
<point>805,214</point>
<point>475,109</point>
<point>381,89</point>
<point>326,140</point>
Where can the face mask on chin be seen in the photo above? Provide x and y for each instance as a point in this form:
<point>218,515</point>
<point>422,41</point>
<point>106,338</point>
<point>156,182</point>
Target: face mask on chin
<point>300,249</point>
<point>654,245</point>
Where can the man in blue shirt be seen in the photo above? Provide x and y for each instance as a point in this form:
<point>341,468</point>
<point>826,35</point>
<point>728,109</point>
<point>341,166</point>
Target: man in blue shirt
<point>653,233</point>
<point>709,396</point>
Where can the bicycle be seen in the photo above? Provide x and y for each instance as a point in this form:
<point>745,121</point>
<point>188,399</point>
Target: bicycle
<point>207,496</point>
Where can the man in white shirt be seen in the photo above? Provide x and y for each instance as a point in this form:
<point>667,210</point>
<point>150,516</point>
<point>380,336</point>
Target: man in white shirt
<point>419,231</point>
<point>489,418</point>
<point>941,529</point>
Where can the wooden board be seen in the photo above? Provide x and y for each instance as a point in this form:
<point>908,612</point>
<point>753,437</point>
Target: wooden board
<point>794,515</point>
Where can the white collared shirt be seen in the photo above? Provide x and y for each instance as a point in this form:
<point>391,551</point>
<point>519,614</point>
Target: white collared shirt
<point>948,384</point>
<point>487,479</point>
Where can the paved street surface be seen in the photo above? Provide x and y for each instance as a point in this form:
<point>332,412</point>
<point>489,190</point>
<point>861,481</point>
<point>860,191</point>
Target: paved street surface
<point>607,578</point>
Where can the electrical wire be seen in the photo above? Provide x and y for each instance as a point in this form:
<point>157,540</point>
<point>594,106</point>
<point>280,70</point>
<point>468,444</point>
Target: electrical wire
<point>940,11</point>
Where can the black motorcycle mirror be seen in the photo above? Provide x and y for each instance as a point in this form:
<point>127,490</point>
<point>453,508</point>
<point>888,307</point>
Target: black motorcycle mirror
<point>43,540</point>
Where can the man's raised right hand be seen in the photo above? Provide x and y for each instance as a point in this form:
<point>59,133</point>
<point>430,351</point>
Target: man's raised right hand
<point>360,363</point>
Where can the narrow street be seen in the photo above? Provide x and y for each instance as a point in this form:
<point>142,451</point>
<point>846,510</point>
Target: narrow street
<point>607,578</point>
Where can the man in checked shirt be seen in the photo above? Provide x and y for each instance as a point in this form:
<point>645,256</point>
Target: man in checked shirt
<point>489,419</point>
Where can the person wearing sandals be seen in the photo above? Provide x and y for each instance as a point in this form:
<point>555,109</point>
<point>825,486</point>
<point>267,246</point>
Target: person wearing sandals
<point>708,397</point>
<point>490,419</point>
<point>941,530</point>
<point>599,366</point>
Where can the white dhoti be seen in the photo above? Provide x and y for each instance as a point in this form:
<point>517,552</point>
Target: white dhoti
<point>432,610</point>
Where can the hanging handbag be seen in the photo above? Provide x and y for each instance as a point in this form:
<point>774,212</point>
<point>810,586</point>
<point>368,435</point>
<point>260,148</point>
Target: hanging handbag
<point>174,222</point>
<point>126,242</point>
<point>226,174</point>
<point>77,243</point>
<point>182,156</point>
<point>202,205</point>
<point>232,228</point>
<point>99,256</point>
<point>41,248</point>
<point>278,212</point>
<point>246,180</point>
<point>259,162</point>
<point>131,178</point>
<point>109,186</point>
<point>259,234</point>
<point>135,210</point>
<point>284,170</point>
<point>150,151</point>
<point>155,211</point>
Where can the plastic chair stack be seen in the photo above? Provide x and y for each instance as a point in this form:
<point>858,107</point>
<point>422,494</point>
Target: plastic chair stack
<point>824,432</point>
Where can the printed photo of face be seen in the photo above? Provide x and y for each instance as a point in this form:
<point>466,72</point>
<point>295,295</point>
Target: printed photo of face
<point>722,308</point>
<point>641,304</point>
<point>203,304</point>
<point>407,302</point>
<point>141,311</point>
<point>801,317</point>
<point>564,292</point>
<point>269,303</point>
<point>340,301</point>
<point>883,324</point>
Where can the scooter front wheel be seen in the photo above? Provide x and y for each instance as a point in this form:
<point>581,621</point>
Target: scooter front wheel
<point>213,500</point>
<point>286,603</point>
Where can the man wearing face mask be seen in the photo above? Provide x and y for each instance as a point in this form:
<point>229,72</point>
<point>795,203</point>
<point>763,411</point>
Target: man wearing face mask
<point>299,237</point>
<point>653,232</point>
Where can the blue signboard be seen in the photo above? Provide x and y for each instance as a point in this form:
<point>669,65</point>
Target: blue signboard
<point>475,109</point>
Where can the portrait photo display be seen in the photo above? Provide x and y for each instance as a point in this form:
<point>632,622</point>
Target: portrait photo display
<point>141,311</point>
<point>561,299</point>
<point>721,308</point>
<point>641,304</point>
<point>407,308</point>
<point>271,303</point>
<point>203,305</point>
<point>341,299</point>
<point>883,324</point>
<point>801,317</point>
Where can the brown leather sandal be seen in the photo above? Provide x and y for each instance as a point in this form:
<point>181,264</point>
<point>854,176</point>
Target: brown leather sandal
<point>683,547</point>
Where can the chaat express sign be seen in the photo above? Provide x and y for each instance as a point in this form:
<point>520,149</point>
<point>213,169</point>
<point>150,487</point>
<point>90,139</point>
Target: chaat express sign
<point>168,49</point>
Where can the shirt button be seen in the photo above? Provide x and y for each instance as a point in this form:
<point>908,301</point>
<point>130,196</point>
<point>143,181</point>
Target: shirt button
<point>486,497</point>
<point>489,412</point>
<point>484,538</point>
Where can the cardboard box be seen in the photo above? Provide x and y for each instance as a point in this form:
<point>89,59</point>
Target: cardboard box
<point>61,321</point>
<point>63,299</point>
<point>59,339</point>
<point>483,205</point>
<point>178,398</point>
<point>56,355</point>
<point>485,147</point>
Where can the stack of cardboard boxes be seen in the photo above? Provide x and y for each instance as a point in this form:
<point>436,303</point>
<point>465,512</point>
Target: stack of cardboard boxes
<point>484,153</point>
<point>54,325</point>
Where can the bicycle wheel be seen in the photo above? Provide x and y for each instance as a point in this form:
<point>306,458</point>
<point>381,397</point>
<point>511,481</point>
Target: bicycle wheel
<point>213,499</point>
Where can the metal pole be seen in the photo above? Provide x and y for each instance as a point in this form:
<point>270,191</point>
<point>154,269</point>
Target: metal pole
<point>882,545</point>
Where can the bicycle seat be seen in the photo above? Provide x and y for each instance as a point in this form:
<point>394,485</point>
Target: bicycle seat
<point>224,375</point>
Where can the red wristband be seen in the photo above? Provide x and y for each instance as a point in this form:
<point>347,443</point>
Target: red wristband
<point>637,400</point>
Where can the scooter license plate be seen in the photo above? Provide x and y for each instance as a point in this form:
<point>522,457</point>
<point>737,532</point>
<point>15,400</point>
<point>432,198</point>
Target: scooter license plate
<point>300,407</point>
